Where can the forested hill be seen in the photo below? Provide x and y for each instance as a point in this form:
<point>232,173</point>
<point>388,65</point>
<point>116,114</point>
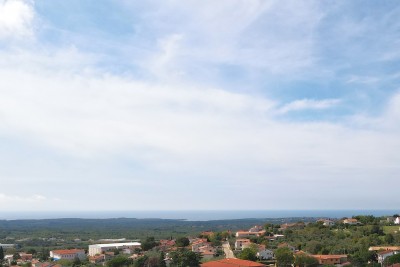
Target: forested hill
<point>129,228</point>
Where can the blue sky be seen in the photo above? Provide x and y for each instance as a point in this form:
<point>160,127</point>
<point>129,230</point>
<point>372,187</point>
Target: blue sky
<point>160,105</point>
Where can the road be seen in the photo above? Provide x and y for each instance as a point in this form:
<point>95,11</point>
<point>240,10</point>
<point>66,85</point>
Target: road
<point>228,251</point>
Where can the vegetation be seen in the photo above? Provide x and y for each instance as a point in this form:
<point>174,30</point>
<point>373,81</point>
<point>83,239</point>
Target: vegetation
<point>184,257</point>
<point>284,257</point>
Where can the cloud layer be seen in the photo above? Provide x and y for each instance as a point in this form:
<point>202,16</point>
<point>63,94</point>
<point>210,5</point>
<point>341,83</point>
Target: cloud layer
<point>237,97</point>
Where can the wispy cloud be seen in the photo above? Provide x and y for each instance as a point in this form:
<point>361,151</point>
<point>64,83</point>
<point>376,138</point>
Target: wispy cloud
<point>18,199</point>
<point>308,104</point>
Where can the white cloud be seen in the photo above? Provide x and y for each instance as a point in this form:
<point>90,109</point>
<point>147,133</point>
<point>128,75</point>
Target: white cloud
<point>16,17</point>
<point>17,199</point>
<point>308,104</point>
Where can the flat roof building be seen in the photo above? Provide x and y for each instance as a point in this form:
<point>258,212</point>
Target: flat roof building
<point>102,248</point>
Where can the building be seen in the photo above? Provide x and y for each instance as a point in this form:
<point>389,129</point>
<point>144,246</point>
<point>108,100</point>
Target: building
<point>256,228</point>
<point>351,221</point>
<point>102,248</point>
<point>232,263</point>
<point>326,222</point>
<point>395,248</point>
<point>397,220</point>
<point>286,245</point>
<point>330,259</point>
<point>68,254</point>
<point>197,243</point>
<point>382,255</point>
<point>265,254</point>
<point>240,234</point>
<point>7,246</point>
<point>242,243</point>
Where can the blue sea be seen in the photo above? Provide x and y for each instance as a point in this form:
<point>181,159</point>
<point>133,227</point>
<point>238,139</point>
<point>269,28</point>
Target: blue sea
<point>194,215</point>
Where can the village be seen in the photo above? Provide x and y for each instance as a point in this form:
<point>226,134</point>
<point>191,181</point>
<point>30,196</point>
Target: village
<point>265,245</point>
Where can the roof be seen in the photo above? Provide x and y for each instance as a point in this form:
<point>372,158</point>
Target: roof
<point>325,257</point>
<point>232,263</point>
<point>68,251</point>
<point>386,252</point>
<point>117,245</point>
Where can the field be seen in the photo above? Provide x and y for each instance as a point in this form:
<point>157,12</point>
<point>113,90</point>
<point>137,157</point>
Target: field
<point>391,229</point>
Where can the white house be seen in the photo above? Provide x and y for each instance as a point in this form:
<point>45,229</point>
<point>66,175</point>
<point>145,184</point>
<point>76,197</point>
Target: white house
<point>397,220</point>
<point>265,254</point>
<point>384,254</point>
<point>242,243</point>
<point>102,248</point>
<point>68,254</point>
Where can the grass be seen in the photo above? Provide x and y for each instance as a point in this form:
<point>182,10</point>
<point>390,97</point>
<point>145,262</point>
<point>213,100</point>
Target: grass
<point>391,229</point>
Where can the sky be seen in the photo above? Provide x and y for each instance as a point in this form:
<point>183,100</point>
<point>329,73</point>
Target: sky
<point>199,105</point>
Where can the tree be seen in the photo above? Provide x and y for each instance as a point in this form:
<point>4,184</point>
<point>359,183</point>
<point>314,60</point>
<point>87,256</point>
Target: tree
<point>392,260</point>
<point>1,254</point>
<point>303,260</point>
<point>149,243</point>
<point>182,242</point>
<point>248,254</point>
<point>284,257</point>
<point>184,257</point>
<point>161,260</point>
<point>141,261</point>
<point>119,261</point>
<point>76,262</point>
<point>389,239</point>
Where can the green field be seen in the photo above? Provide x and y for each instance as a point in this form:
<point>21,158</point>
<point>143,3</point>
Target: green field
<point>391,229</point>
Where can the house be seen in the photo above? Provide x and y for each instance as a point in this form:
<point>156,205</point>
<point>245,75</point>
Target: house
<point>298,225</point>
<point>232,263</point>
<point>326,222</point>
<point>98,259</point>
<point>330,259</point>
<point>166,245</point>
<point>282,245</point>
<point>241,234</point>
<point>197,243</point>
<point>351,221</point>
<point>102,248</point>
<point>382,255</point>
<point>68,254</point>
<point>394,248</point>
<point>397,220</point>
<point>265,254</point>
<point>242,243</point>
<point>207,255</point>
<point>256,228</point>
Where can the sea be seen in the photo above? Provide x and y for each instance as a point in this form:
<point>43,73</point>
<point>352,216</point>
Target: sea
<point>193,215</point>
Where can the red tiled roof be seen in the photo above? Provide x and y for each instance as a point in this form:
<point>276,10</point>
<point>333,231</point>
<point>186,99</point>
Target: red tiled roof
<point>68,251</point>
<point>232,263</point>
<point>325,257</point>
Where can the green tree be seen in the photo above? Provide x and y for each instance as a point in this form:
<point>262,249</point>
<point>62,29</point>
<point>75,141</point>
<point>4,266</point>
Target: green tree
<point>184,257</point>
<point>141,261</point>
<point>149,243</point>
<point>76,262</point>
<point>303,260</point>
<point>161,260</point>
<point>389,238</point>
<point>392,260</point>
<point>119,261</point>
<point>248,254</point>
<point>1,254</point>
<point>284,257</point>
<point>182,242</point>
